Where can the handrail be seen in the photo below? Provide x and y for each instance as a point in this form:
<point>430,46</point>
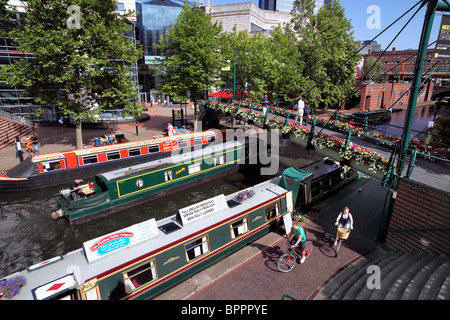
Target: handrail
<point>421,229</point>
<point>287,296</point>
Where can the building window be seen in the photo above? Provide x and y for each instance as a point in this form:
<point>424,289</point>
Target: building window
<point>196,248</point>
<point>139,276</point>
<point>239,227</point>
<point>90,159</point>
<point>271,211</point>
<point>193,168</point>
<point>120,6</point>
<point>113,155</point>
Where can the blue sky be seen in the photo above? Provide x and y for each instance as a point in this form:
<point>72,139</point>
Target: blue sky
<point>389,11</point>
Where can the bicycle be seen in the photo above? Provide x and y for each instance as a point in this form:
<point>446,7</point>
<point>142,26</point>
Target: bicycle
<point>342,234</point>
<point>287,261</point>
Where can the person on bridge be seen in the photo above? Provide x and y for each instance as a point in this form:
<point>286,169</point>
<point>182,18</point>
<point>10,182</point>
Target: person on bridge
<point>300,110</point>
<point>344,220</point>
<point>264,103</point>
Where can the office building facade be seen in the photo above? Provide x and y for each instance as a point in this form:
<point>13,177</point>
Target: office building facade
<point>286,5</point>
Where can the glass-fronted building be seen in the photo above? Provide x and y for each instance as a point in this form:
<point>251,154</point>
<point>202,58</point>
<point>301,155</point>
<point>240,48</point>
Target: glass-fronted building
<point>153,20</point>
<point>286,5</point>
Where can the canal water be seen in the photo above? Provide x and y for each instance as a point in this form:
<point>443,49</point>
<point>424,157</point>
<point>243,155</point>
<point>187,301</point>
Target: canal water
<point>28,235</point>
<point>422,116</point>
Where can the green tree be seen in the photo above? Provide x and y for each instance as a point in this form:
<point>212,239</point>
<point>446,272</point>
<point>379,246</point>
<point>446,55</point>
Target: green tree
<point>6,16</point>
<point>264,64</point>
<point>81,58</point>
<point>190,59</point>
<point>371,68</point>
<point>326,46</point>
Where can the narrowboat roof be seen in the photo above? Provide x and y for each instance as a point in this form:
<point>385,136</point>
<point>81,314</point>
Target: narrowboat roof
<point>321,167</point>
<point>211,149</point>
<point>80,265</point>
<point>118,146</point>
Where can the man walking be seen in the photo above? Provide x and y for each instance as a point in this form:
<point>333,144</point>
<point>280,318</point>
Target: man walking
<point>300,110</point>
<point>34,142</point>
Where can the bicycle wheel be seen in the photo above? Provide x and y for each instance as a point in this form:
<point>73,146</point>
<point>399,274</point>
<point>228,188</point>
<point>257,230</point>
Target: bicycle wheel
<point>286,262</point>
<point>338,246</point>
<point>308,248</point>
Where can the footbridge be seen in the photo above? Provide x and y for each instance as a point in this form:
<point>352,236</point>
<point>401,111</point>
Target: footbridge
<point>368,152</point>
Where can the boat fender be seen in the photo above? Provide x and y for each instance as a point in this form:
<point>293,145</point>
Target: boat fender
<point>57,214</point>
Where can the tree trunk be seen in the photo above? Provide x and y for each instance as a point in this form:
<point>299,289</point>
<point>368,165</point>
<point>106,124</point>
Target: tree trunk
<point>78,135</point>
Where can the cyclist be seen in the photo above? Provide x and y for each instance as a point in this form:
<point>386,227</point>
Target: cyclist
<point>297,237</point>
<point>344,220</point>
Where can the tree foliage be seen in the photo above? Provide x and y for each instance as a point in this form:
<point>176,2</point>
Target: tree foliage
<point>371,68</point>
<point>81,57</point>
<point>190,59</point>
<point>327,48</point>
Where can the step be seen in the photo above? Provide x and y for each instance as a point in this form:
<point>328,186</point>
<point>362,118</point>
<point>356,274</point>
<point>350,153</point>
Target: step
<point>434,284</point>
<point>338,280</point>
<point>416,285</point>
<point>361,283</point>
<point>444,293</point>
<point>390,277</point>
<point>397,259</point>
<point>405,278</point>
<point>374,258</point>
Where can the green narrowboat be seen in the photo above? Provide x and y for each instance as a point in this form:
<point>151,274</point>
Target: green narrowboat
<point>120,189</point>
<point>148,258</point>
<point>145,259</point>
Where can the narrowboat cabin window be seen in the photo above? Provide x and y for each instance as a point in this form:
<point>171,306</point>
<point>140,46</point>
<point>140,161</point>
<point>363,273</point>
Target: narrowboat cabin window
<point>139,276</point>
<point>197,141</point>
<point>271,211</point>
<point>239,227</point>
<point>134,152</point>
<point>51,165</point>
<point>182,143</point>
<point>113,155</point>
<point>211,138</point>
<point>196,167</point>
<point>168,175</point>
<point>218,161</point>
<point>153,149</point>
<point>90,159</point>
<point>196,248</point>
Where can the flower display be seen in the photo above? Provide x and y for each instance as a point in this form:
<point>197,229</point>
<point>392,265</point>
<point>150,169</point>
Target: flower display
<point>9,288</point>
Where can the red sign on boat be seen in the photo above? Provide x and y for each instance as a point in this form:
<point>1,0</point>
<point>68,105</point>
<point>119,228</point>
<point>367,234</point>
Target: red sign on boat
<point>167,146</point>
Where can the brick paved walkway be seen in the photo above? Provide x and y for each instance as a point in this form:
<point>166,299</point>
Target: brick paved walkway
<point>259,278</point>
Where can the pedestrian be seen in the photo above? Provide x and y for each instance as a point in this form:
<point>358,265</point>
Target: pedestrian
<point>35,142</point>
<point>264,103</point>
<point>300,111</point>
<point>171,103</point>
<point>344,220</point>
<point>165,103</point>
<point>19,153</point>
<point>170,130</point>
<point>307,111</point>
<point>151,103</point>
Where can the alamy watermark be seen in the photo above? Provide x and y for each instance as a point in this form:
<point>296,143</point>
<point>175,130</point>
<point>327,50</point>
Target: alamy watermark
<point>374,280</point>
<point>74,21</point>
<point>253,147</point>
<point>374,20</point>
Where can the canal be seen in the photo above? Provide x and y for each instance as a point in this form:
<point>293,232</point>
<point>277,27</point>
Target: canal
<point>28,235</point>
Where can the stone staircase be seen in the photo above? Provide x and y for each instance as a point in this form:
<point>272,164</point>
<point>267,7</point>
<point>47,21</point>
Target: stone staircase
<point>10,129</point>
<point>404,276</point>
